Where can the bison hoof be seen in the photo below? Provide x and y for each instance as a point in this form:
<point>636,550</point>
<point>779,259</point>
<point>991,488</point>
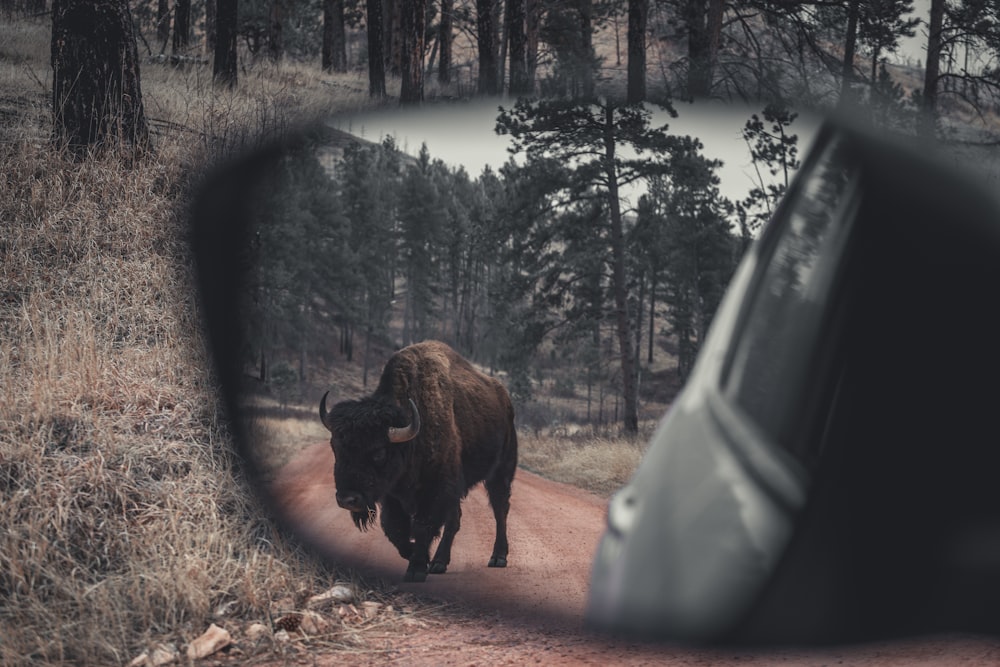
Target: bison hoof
<point>415,575</point>
<point>497,561</point>
<point>437,567</point>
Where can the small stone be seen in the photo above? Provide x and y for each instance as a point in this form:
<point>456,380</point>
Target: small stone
<point>255,631</point>
<point>141,660</point>
<point>284,605</point>
<point>164,654</point>
<point>224,609</point>
<point>338,594</point>
<point>282,637</point>
<point>370,609</point>
<point>213,639</point>
<point>314,624</point>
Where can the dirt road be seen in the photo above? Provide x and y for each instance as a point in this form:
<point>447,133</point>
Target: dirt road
<point>531,611</point>
<point>553,532</point>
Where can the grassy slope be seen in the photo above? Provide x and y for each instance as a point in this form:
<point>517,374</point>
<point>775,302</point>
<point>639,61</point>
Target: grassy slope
<point>124,522</point>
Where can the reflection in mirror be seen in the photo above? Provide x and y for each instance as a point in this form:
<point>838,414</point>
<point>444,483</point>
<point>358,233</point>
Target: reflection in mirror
<point>773,361</point>
<point>577,290</point>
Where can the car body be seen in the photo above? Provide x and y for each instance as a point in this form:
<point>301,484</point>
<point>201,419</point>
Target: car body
<point>828,472</point>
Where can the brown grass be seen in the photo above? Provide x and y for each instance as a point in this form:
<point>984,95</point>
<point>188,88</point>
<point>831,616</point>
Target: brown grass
<point>125,519</point>
<point>600,463</point>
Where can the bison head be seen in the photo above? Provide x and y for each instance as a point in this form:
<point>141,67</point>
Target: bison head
<point>366,437</point>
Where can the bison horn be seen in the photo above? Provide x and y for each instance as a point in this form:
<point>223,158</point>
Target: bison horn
<point>407,432</point>
<point>324,416</point>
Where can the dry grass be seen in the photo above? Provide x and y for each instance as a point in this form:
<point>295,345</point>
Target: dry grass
<point>277,434</point>
<point>125,519</point>
<point>600,463</point>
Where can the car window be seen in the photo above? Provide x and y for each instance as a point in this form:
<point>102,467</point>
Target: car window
<point>772,365</point>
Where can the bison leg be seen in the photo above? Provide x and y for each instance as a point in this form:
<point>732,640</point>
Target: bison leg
<point>498,489</point>
<point>443,554</point>
<point>396,526</point>
<point>437,510</point>
<point>423,534</point>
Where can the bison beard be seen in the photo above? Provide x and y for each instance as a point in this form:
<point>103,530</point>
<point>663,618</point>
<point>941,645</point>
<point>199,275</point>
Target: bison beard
<point>419,461</point>
<point>364,520</point>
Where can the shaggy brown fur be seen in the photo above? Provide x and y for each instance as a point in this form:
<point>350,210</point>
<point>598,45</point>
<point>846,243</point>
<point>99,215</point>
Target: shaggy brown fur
<point>466,436</point>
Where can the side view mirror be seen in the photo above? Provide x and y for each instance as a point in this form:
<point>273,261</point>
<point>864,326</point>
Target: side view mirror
<point>829,472</point>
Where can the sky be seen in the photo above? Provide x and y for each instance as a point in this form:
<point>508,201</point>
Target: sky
<point>915,48</point>
<point>463,134</point>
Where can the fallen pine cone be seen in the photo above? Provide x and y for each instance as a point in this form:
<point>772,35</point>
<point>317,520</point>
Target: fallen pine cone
<point>289,622</point>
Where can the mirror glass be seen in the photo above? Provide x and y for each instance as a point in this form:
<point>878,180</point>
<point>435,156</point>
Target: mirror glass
<point>384,229</point>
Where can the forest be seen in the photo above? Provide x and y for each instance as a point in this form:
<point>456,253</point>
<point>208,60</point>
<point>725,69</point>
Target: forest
<point>534,266</point>
<point>540,269</point>
<point>539,257</point>
<point>129,525</point>
<point>897,60</point>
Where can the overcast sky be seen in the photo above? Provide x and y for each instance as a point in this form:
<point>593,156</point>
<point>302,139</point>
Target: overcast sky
<point>463,134</point>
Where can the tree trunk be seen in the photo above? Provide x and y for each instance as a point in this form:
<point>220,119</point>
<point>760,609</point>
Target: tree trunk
<point>163,23</point>
<point>850,46</point>
<point>499,42</point>
<point>302,362</point>
<point>532,25</point>
<point>414,18</point>
<point>927,123</point>
<point>96,92</point>
<point>487,48</point>
<point>225,66</point>
<point>587,48</point>
<point>210,12</point>
<point>393,37</point>
<point>638,11</point>
<point>334,56</point>
<point>519,84</point>
<point>445,39</point>
<point>366,363</point>
<point>182,25</point>
<point>638,327</point>
<point>376,63</point>
<point>275,29</point>
<point>716,12</point>
<point>699,53</point>
<point>652,316</point>
<point>619,286</point>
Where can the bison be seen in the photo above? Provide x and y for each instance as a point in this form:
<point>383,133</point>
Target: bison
<point>434,428</point>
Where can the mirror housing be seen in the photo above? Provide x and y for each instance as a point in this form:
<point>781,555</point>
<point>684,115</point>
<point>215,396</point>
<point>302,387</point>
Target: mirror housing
<point>854,498</point>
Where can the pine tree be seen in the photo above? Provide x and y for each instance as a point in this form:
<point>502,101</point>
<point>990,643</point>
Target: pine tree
<point>421,217</point>
<point>575,151</point>
<point>487,48</point>
<point>774,150</point>
<point>225,67</point>
<point>638,12</point>
<point>376,58</point>
<point>412,29</point>
<point>690,229</point>
<point>368,177</point>
<point>301,270</point>
<point>96,91</point>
